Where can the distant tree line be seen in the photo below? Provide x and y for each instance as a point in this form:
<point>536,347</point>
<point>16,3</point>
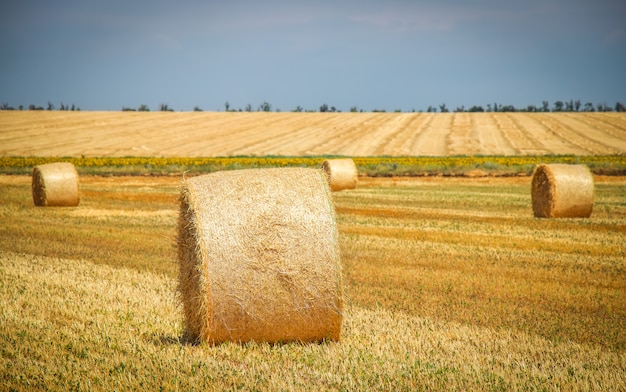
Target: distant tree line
<point>545,107</point>
<point>557,106</point>
<point>50,106</point>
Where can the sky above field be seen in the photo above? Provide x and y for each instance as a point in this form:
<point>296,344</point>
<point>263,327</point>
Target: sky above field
<point>387,55</point>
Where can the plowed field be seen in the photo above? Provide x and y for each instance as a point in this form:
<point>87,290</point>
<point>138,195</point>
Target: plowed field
<point>195,134</point>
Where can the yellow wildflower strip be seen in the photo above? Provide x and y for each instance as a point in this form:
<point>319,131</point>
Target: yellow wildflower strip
<point>498,165</point>
<point>370,166</point>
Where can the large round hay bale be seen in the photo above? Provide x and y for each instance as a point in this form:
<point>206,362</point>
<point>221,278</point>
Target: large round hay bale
<point>342,173</point>
<point>55,184</point>
<point>562,191</point>
<point>258,257</point>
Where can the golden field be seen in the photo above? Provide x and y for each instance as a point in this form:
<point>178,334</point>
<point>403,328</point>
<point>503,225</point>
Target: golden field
<point>450,283</point>
<point>211,134</point>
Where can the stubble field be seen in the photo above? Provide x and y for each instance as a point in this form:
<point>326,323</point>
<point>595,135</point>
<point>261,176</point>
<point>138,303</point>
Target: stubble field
<point>196,134</point>
<point>451,284</point>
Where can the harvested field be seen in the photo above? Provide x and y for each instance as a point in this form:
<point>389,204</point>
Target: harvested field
<point>450,284</point>
<point>194,134</point>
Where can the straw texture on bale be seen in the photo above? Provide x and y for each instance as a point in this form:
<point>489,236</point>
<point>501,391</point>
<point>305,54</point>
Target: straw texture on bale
<point>55,184</point>
<point>258,257</point>
<point>562,191</point>
<point>342,173</point>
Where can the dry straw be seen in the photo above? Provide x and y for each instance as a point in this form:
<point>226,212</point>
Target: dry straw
<point>55,184</point>
<point>258,257</point>
<point>342,173</point>
<point>562,191</point>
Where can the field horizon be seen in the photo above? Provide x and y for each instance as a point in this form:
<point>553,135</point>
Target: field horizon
<point>213,134</point>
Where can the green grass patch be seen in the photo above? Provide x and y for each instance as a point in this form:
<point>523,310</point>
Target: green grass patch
<point>367,166</point>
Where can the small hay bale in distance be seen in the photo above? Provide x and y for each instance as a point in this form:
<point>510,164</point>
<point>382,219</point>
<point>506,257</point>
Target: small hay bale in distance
<point>258,257</point>
<point>342,173</point>
<point>55,185</point>
<point>562,191</point>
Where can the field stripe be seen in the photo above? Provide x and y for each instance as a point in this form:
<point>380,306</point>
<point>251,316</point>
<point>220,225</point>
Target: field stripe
<point>489,136</point>
<point>432,141</point>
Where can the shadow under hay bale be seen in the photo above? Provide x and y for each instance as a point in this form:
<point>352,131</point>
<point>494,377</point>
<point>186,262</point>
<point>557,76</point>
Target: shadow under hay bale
<point>258,257</point>
<point>55,185</point>
<point>562,191</point>
<point>342,173</point>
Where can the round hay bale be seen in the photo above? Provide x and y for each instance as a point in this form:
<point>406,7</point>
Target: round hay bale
<point>55,184</point>
<point>562,191</point>
<point>342,173</point>
<point>258,257</point>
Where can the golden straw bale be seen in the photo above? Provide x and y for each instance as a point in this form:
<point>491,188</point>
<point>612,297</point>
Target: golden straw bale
<point>258,257</point>
<point>342,173</point>
<point>55,184</point>
<point>562,191</point>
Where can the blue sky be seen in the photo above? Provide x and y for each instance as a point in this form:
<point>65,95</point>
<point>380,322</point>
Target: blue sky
<point>392,54</point>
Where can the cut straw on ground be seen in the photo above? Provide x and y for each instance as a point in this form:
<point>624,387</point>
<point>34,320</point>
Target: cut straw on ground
<point>562,191</point>
<point>55,185</point>
<point>258,257</point>
<point>342,173</point>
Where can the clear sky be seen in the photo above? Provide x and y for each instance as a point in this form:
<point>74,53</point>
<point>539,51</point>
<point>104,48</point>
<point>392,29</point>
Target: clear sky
<point>388,54</point>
